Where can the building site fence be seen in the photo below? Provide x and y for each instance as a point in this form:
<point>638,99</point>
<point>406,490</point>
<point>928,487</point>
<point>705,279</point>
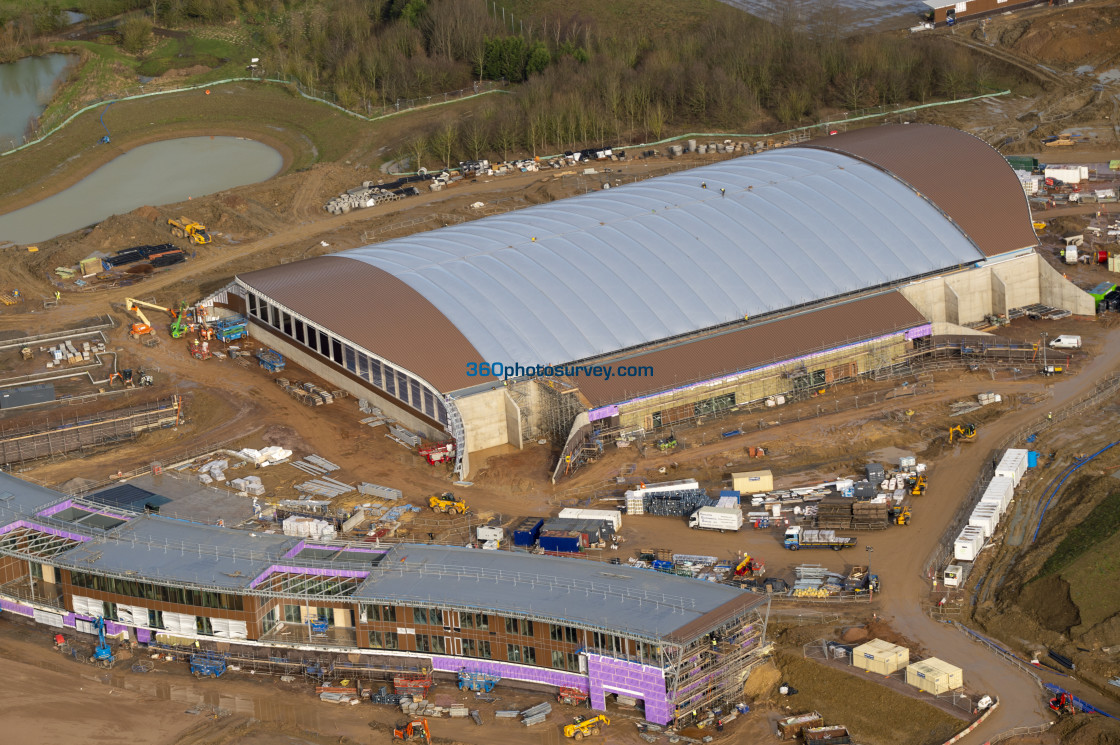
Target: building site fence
<point>1034,729</point>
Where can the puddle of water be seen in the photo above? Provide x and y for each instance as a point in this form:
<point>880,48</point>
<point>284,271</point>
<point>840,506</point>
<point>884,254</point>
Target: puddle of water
<point>155,174</point>
<point>26,86</point>
<point>1083,69</point>
<point>1109,76</point>
<point>70,17</point>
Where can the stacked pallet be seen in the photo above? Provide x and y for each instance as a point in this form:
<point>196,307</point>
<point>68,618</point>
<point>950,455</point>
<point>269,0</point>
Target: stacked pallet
<point>835,513</point>
<point>869,515</point>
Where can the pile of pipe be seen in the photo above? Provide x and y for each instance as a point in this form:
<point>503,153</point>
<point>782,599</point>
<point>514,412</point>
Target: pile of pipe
<point>366,195</point>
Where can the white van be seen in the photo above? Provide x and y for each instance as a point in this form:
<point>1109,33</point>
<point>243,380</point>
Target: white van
<point>1066,341</point>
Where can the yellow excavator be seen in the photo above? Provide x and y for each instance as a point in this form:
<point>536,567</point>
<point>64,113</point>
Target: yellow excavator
<point>580,730</point>
<point>145,326</point>
<point>962,432</point>
<point>195,232</point>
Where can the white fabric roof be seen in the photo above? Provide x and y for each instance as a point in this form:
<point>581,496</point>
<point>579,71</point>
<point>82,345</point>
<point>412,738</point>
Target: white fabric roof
<point>600,272</point>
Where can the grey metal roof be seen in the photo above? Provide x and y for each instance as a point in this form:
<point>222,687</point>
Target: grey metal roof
<point>645,602</point>
<point>21,496</point>
<point>162,549</point>
<point>596,273</point>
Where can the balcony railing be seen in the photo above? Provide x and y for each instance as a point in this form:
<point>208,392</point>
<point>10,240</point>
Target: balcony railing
<point>34,591</point>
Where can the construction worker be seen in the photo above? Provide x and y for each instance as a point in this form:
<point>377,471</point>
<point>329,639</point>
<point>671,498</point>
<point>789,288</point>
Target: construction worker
<point>722,192</point>
<point>57,295</point>
<point>1049,416</point>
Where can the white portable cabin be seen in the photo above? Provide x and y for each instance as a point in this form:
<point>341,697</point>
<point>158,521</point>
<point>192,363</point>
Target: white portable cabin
<point>968,544</point>
<point>486,533</point>
<point>995,502</point>
<point>878,656</point>
<point>1013,465</point>
<point>934,676</point>
<point>956,574</point>
<point>1001,488</point>
<point>614,517</point>
<point>986,518</point>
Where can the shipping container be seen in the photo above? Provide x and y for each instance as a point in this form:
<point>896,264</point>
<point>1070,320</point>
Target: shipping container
<point>875,472</point>
<point>752,482</point>
<point>560,541</point>
<point>527,531</point>
<point>934,676</point>
<point>614,517</point>
<point>878,656</point>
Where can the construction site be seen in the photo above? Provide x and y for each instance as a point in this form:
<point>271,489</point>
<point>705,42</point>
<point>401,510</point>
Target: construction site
<point>531,450</point>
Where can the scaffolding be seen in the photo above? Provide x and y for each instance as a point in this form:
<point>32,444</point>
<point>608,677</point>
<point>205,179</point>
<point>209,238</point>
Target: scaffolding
<point>708,672</point>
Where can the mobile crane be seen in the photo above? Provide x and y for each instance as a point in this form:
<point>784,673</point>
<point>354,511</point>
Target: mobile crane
<point>145,326</point>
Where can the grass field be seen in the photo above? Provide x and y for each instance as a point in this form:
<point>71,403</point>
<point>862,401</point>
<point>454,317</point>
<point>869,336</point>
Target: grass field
<point>1094,582</point>
<point>1098,527</point>
<point>874,714</point>
<point>311,132</point>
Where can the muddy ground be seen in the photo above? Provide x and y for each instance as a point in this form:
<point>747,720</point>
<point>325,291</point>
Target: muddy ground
<point>282,219</point>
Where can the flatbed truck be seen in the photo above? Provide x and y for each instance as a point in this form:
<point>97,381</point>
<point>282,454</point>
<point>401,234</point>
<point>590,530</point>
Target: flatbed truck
<point>797,538</point>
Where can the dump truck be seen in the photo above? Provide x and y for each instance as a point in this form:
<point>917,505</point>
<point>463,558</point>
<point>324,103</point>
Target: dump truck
<point>797,537</point>
<point>195,232</point>
<point>717,518</point>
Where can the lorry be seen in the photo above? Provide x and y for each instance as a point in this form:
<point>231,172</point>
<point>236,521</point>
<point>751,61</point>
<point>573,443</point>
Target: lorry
<point>797,537</point>
<point>716,518</point>
<point>1066,341</point>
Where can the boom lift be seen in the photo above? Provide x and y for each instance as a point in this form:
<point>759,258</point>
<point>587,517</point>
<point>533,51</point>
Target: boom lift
<point>103,653</point>
<point>145,326</point>
<point>179,328</point>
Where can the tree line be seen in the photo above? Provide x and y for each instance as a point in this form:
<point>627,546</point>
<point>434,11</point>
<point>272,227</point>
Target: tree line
<point>578,82</point>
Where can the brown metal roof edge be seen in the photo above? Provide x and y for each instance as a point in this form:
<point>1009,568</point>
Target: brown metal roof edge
<point>986,222</point>
<point>891,312</point>
<point>737,606</point>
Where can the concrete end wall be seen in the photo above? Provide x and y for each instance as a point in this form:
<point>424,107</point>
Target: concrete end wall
<point>321,369</point>
<point>968,296</point>
<point>484,418</point>
<point>1058,292</point>
<point>513,423</point>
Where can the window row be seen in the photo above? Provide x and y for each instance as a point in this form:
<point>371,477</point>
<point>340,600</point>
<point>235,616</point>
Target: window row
<point>429,617</point>
<point>370,369</point>
<point>159,593</point>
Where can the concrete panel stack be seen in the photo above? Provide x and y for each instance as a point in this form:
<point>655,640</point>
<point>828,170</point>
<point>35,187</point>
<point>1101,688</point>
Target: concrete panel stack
<point>382,492</point>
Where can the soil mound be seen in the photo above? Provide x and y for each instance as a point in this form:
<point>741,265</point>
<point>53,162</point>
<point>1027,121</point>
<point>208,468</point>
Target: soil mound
<point>1049,602</point>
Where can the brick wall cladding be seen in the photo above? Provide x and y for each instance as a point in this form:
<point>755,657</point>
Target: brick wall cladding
<point>557,678</point>
<point>608,675</point>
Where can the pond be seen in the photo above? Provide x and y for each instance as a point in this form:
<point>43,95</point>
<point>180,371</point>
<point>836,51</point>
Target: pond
<point>160,173</point>
<point>26,86</point>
